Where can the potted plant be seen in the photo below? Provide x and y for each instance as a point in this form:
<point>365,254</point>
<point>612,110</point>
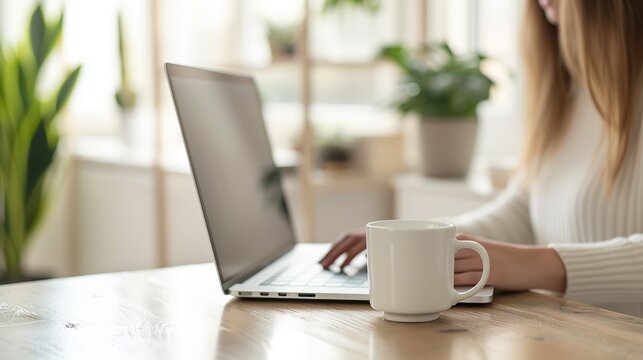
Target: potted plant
<point>125,95</point>
<point>334,153</point>
<point>29,137</point>
<point>282,41</point>
<point>444,90</point>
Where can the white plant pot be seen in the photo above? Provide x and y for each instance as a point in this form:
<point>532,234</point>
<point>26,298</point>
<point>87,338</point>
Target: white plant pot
<point>447,146</point>
<point>129,127</point>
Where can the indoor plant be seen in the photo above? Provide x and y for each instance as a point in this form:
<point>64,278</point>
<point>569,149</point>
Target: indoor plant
<point>444,90</point>
<point>282,41</point>
<point>334,152</point>
<point>29,136</point>
<point>125,94</point>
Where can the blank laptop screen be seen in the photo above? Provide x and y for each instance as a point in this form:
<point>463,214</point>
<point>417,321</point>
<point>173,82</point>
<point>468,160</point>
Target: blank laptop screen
<point>237,181</point>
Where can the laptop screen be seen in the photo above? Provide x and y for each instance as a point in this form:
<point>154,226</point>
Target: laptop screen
<point>238,183</point>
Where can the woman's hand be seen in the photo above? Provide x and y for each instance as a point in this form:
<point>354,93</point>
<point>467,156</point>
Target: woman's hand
<point>513,267</point>
<point>350,243</point>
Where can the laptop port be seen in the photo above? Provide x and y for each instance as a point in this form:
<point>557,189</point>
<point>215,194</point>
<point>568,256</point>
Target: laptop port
<point>264,294</point>
<point>308,295</point>
<point>282,294</point>
<point>245,293</point>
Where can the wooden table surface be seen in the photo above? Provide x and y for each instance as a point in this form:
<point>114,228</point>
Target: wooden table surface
<point>180,313</point>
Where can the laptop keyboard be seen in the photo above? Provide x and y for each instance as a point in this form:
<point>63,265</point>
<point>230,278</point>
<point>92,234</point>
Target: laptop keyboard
<point>315,275</point>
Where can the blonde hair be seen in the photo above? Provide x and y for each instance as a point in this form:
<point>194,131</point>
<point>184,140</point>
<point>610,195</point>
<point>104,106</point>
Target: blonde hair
<point>596,45</point>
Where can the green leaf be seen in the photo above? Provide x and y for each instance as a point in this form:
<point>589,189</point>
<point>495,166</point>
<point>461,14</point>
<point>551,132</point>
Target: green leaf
<point>23,87</point>
<point>448,50</point>
<point>52,35</point>
<point>449,85</point>
<point>41,157</point>
<point>397,54</point>
<point>34,207</point>
<point>37,35</point>
<point>2,62</point>
<point>65,89</point>
<point>43,36</point>
<point>11,88</point>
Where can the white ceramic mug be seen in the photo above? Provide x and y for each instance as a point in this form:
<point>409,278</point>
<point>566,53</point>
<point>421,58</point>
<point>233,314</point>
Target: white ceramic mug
<point>410,268</point>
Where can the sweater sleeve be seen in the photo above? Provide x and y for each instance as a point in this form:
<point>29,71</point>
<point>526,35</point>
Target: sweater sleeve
<point>506,218</point>
<point>606,271</point>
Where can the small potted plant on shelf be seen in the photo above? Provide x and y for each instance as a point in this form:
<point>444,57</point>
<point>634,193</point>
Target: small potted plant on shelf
<point>282,39</point>
<point>125,95</point>
<point>443,89</point>
<point>29,138</point>
<point>334,153</point>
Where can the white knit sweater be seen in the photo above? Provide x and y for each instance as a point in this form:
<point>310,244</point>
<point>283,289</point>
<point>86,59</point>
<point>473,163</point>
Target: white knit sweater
<point>598,237</point>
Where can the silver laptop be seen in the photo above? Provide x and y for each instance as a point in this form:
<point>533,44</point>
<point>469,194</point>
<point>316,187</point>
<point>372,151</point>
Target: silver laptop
<point>243,202</point>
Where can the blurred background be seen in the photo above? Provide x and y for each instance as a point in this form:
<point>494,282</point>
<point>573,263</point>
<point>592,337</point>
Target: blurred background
<point>119,194</point>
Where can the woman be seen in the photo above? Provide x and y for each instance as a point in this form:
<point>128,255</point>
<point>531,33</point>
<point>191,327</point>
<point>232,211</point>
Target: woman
<point>572,220</point>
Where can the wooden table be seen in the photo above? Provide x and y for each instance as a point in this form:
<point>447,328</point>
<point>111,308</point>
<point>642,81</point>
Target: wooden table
<point>180,313</point>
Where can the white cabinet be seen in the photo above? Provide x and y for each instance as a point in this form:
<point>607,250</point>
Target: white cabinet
<point>187,236</point>
<point>104,220</point>
<point>115,222</point>
<point>348,203</point>
<point>116,229</point>
<point>419,197</point>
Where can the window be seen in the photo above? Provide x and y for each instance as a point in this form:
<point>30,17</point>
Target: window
<point>350,87</point>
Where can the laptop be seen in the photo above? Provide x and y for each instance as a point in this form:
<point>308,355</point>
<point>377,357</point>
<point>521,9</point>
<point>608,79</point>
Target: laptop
<point>241,195</point>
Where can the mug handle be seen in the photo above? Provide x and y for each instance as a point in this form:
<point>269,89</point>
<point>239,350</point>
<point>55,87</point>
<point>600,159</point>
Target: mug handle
<point>467,244</point>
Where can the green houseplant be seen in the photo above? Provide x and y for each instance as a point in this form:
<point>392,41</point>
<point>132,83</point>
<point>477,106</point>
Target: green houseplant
<point>29,136</point>
<point>125,96</point>
<point>333,152</point>
<point>444,90</point>
<point>282,41</point>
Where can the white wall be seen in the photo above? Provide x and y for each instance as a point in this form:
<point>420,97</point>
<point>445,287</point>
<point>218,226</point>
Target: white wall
<point>115,218</point>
